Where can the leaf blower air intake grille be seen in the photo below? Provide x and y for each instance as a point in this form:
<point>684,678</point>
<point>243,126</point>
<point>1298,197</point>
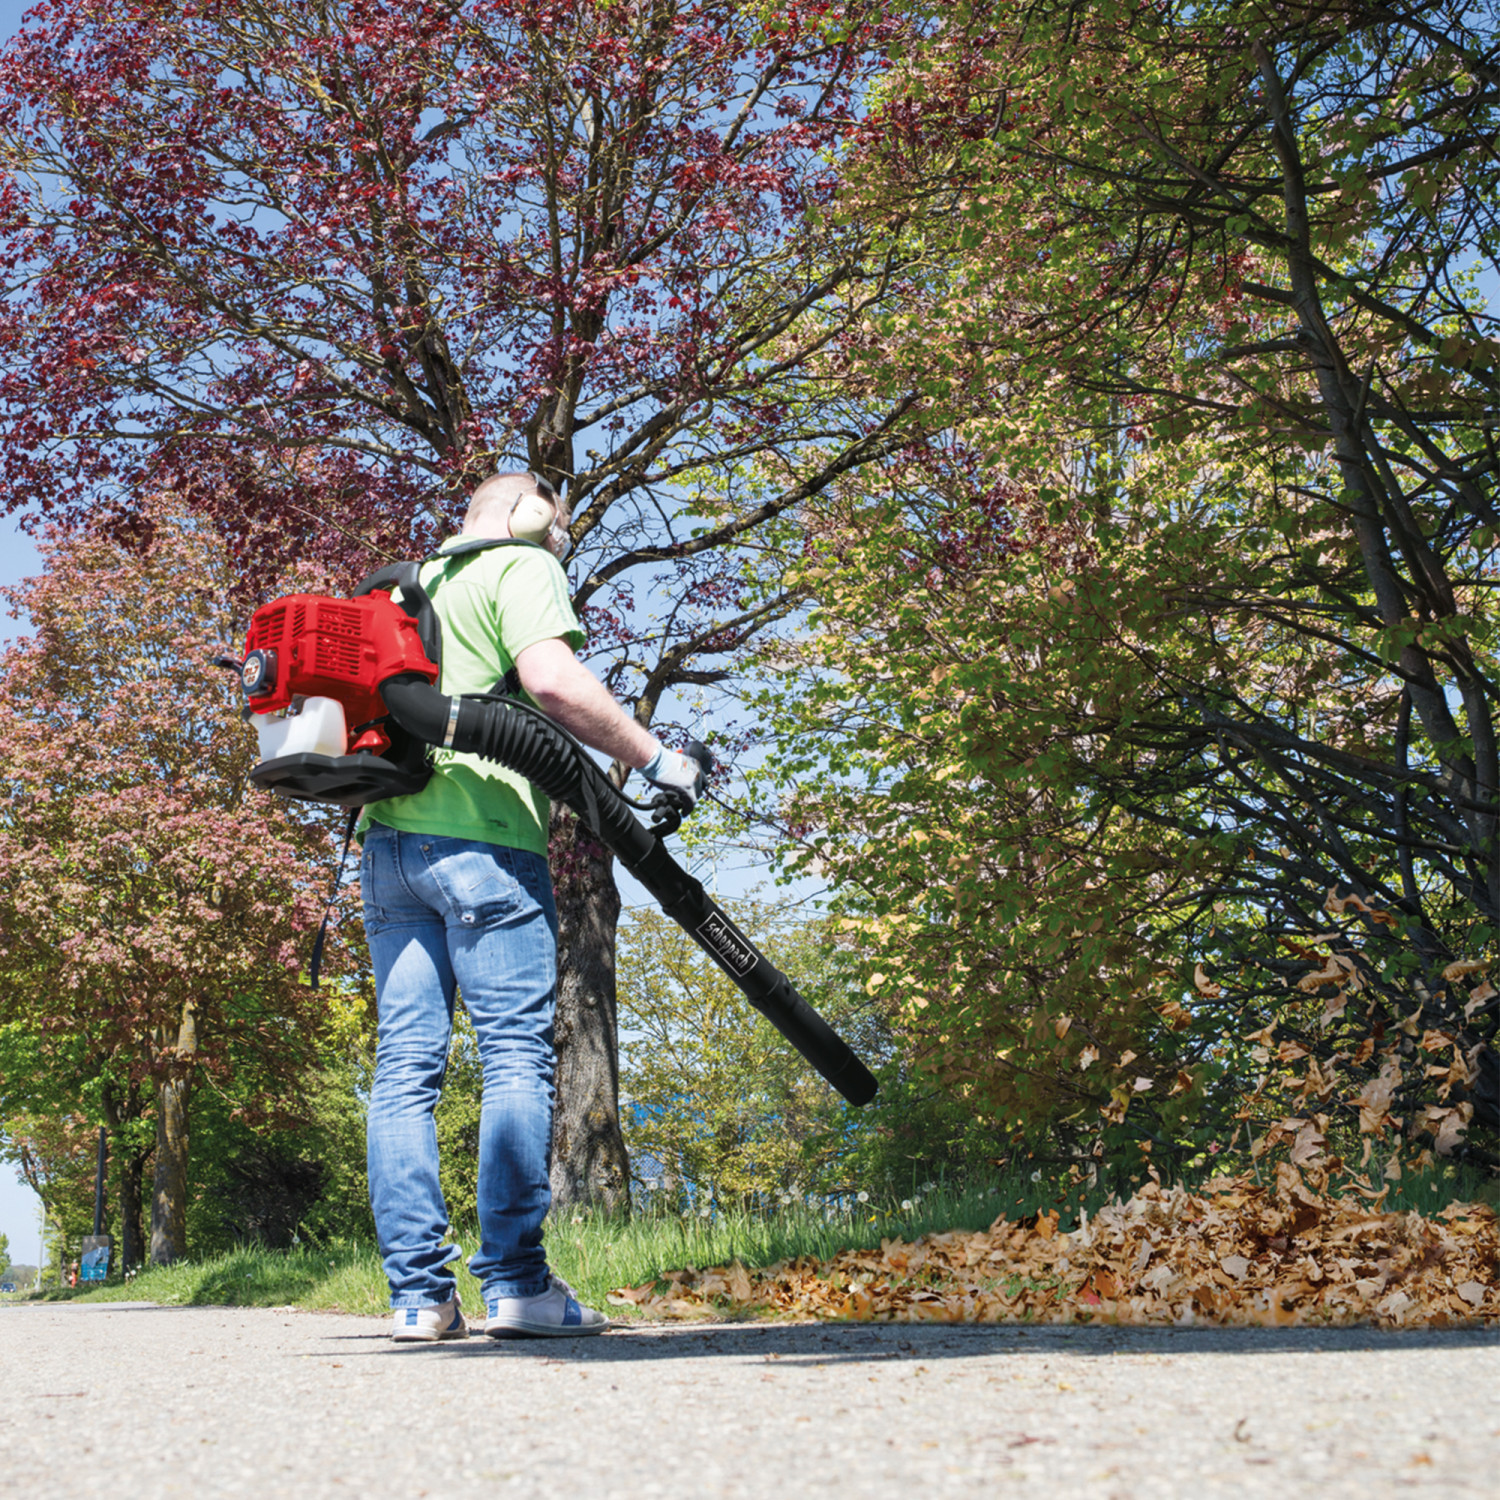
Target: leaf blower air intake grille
<point>307,646</point>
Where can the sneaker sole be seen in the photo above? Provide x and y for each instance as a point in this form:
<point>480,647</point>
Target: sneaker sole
<point>427,1338</point>
<point>542,1331</point>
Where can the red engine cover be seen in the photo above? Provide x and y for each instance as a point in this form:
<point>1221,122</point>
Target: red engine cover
<point>336,648</point>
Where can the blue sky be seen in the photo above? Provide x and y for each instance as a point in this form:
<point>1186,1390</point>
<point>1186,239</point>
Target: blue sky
<point>18,560</point>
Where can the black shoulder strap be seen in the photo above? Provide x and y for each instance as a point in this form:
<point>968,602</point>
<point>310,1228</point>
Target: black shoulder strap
<point>483,544</point>
<point>414,600</point>
<point>390,575</point>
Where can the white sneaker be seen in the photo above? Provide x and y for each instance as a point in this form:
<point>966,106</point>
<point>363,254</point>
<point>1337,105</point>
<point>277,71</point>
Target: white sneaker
<point>426,1325</point>
<point>555,1314</point>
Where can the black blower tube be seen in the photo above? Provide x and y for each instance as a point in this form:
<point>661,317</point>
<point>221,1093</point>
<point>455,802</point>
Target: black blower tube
<point>526,743</point>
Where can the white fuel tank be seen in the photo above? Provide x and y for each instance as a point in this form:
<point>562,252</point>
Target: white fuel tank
<point>311,726</point>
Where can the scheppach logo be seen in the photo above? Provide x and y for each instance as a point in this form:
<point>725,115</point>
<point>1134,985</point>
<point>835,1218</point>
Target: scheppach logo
<point>727,943</point>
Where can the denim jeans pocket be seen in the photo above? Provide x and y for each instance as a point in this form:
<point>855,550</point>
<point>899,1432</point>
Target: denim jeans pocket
<point>381,889</point>
<point>476,881</point>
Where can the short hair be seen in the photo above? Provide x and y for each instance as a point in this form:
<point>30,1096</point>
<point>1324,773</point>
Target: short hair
<point>501,491</point>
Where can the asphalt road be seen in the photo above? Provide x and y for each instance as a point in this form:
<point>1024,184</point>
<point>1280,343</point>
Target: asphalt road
<point>129,1400</point>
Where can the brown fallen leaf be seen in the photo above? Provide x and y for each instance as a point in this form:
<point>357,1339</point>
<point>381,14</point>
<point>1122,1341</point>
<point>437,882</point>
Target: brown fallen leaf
<point>1340,904</point>
<point>1234,1252</point>
<point>1478,995</point>
<point>1332,972</point>
<point>1308,1145</point>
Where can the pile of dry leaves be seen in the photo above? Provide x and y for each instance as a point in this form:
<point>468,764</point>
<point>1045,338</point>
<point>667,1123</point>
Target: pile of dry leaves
<point>1236,1252</point>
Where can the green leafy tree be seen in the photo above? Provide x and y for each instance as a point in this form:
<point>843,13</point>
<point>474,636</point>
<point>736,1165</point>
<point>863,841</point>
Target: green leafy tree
<point>457,1124</point>
<point>718,1100</point>
<point>1013,920</point>
<point>300,1175</point>
<point>1173,722</point>
<point>334,1138</point>
<point>55,1156</point>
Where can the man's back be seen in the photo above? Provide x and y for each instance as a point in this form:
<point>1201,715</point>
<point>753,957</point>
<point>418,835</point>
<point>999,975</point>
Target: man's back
<point>492,605</point>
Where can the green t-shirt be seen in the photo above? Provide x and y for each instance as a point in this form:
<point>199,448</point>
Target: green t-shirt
<point>492,605</point>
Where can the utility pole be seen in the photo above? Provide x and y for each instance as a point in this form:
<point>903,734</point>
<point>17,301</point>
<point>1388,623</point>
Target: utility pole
<point>99,1183</point>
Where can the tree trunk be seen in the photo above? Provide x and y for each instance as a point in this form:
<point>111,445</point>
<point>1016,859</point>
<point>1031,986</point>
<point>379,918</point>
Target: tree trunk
<point>590,1167</point>
<point>132,1191</point>
<point>169,1186</point>
<point>124,1151</point>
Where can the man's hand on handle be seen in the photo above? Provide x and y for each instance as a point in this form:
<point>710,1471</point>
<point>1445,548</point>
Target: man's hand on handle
<point>686,775</point>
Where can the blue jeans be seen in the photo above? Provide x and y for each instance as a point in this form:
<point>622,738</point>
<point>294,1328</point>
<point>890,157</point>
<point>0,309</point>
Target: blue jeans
<point>441,914</point>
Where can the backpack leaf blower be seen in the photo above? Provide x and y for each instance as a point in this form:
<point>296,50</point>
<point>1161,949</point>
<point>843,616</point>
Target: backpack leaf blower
<point>345,698</point>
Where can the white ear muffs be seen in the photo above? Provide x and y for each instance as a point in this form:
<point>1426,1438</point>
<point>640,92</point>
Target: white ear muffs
<point>531,519</point>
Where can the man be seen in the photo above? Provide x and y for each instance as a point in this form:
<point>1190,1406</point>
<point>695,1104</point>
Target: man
<point>457,895</point>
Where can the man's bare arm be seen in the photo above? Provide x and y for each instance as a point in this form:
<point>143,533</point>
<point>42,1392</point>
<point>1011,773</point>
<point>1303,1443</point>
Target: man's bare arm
<point>565,690</point>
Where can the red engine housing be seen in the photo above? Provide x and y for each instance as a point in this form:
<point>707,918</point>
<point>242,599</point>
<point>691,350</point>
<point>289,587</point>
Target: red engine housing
<point>336,648</point>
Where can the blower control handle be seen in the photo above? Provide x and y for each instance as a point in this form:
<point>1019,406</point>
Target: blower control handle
<point>703,755</point>
<point>671,805</point>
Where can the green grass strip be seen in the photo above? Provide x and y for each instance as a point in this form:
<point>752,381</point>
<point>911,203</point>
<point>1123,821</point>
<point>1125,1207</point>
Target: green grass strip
<point>596,1253</point>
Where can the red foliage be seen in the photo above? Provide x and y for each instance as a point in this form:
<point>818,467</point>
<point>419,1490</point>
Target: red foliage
<point>342,258</point>
<point>311,270</point>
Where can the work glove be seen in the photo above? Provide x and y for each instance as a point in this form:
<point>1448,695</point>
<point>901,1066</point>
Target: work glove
<point>677,773</point>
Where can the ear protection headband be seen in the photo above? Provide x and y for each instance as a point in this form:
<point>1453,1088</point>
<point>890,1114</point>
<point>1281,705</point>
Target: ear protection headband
<point>534,517</point>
